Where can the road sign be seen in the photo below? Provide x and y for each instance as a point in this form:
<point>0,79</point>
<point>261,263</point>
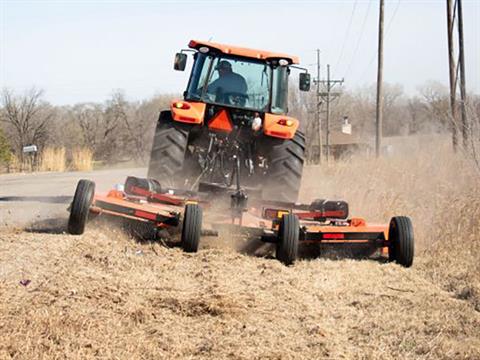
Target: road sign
<point>347,129</point>
<point>29,149</point>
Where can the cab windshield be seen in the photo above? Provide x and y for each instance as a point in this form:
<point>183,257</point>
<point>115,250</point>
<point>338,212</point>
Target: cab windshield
<point>241,83</point>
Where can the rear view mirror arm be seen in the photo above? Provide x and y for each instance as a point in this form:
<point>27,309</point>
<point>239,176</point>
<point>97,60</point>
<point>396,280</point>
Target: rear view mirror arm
<point>299,68</point>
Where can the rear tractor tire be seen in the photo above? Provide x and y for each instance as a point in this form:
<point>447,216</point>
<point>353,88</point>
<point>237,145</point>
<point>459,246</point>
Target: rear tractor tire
<point>401,241</point>
<point>192,228</point>
<point>285,168</point>
<point>288,239</point>
<point>80,207</point>
<point>168,151</point>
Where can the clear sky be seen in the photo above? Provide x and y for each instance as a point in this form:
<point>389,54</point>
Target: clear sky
<point>80,51</point>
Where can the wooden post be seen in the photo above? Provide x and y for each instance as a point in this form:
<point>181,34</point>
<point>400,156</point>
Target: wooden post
<point>463,92</point>
<point>379,115</point>
<point>327,138</point>
<point>452,75</point>
<point>319,119</point>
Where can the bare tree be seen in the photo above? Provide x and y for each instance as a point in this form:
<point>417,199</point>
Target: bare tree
<point>89,118</point>
<point>5,152</point>
<point>436,99</point>
<point>473,147</point>
<point>141,122</point>
<point>118,129</point>
<point>27,118</point>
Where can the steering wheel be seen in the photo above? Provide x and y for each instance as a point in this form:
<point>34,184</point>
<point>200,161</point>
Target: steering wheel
<point>235,98</point>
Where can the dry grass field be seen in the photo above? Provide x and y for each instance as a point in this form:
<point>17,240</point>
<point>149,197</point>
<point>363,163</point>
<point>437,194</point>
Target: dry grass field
<point>55,159</point>
<point>104,295</point>
<point>439,190</point>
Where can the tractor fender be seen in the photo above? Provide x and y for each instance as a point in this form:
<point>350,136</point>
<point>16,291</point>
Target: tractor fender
<point>280,126</point>
<point>189,112</point>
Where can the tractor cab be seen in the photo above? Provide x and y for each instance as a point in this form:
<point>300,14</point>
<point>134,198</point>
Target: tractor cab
<point>253,80</point>
<point>232,123</point>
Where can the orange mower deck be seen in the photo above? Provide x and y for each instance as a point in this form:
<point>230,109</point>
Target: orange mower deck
<point>285,224</point>
<point>117,203</point>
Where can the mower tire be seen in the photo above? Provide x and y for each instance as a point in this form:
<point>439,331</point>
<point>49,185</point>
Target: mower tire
<point>81,207</point>
<point>288,239</point>
<point>401,241</point>
<point>192,228</point>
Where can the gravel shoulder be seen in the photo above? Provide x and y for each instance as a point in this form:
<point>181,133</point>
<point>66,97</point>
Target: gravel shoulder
<point>27,199</point>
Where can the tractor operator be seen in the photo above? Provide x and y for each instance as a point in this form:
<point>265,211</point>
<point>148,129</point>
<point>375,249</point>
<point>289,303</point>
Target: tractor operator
<point>228,82</point>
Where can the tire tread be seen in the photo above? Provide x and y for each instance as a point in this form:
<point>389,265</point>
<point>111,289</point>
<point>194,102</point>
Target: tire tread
<point>80,207</point>
<point>192,227</point>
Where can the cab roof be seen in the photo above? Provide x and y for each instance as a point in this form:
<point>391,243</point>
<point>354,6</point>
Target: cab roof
<point>240,51</point>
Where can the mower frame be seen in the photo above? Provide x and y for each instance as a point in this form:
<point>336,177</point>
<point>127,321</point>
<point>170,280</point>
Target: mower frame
<point>285,224</point>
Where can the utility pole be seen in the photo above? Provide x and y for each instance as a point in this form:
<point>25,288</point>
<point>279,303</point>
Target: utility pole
<point>452,73</point>
<point>454,7</point>
<point>379,117</point>
<point>328,96</point>
<point>461,59</point>
<point>328,114</point>
<point>319,119</point>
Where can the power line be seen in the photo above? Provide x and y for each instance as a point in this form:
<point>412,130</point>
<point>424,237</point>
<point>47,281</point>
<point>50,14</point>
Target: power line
<point>347,33</point>
<point>386,34</point>
<point>359,38</point>
<point>393,16</point>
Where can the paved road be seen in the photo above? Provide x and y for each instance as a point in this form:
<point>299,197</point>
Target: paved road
<point>32,199</point>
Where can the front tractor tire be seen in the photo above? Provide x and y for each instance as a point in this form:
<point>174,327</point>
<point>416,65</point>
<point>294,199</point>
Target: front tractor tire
<point>168,151</point>
<point>285,167</point>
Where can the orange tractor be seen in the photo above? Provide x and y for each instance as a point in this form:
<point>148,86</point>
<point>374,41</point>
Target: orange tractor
<point>231,129</point>
<point>232,123</point>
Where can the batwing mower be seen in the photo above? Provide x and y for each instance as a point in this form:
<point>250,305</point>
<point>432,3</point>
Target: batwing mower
<point>233,151</point>
<point>287,225</point>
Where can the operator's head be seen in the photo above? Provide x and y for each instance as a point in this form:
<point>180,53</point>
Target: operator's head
<point>224,67</point>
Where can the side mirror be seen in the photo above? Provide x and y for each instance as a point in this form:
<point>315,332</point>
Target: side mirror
<point>304,84</point>
<point>180,61</point>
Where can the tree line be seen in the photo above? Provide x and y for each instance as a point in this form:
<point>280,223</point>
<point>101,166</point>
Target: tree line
<point>119,130</point>
<point>425,112</point>
<point>114,131</point>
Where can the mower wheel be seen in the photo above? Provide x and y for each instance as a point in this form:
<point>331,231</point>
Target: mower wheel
<point>401,241</point>
<point>80,207</point>
<point>192,227</point>
<point>288,239</point>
